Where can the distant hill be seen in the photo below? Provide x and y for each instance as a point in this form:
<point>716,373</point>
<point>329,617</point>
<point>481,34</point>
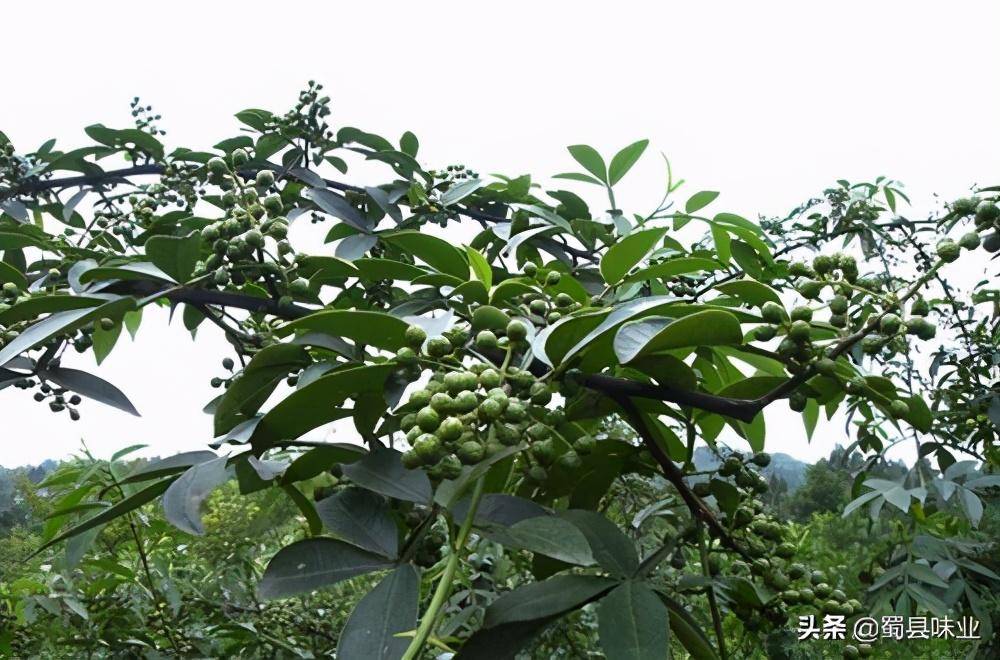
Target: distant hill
<point>791,470</point>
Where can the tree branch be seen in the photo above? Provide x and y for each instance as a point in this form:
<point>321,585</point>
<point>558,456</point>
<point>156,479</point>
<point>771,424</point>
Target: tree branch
<point>742,409</point>
<point>674,475</point>
<point>195,296</point>
<point>121,176</point>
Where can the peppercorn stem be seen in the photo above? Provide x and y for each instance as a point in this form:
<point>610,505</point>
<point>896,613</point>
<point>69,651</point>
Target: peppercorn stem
<point>444,585</point>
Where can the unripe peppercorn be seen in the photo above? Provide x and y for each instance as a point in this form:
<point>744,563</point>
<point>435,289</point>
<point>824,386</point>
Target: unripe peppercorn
<point>415,336</point>
<point>772,312</point>
<point>517,331</point>
<point>265,178</point>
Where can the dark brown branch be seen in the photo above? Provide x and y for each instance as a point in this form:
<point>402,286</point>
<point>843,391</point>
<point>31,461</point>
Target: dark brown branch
<point>195,296</point>
<point>741,409</point>
<point>111,176</point>
<point>674,475</point>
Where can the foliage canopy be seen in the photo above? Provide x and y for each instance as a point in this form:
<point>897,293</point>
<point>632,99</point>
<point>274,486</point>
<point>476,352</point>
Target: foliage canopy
<point>500,389</point>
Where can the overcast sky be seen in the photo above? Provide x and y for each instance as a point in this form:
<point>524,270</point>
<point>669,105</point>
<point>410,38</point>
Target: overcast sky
<point>768,102</point>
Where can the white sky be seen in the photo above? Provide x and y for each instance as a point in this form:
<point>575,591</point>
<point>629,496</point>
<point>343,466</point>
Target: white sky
<point>768,102</point>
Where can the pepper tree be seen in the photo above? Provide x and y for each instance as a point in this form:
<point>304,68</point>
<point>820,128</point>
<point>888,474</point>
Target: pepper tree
<point>499,389</point>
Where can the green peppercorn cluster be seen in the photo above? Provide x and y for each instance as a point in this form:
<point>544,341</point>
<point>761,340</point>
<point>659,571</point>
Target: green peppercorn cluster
<point>832,282</point>
<point>253,215</point>
<point>468,412</point>
<point>59,399</point>
<point>768,551</point>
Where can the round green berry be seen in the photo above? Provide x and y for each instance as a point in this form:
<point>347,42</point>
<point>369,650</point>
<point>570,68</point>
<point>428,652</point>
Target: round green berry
<point>471,452</point>
<point>415,336</point>
<point>517,331</point>
<point>801,314</point>
<point>969,241</point>
<point>265,179</point>
<point>438,347</point>
<point>490,409</point>
<point>826,367</point>
<point>569,460</point>
<point>428,448</point>
<point>450,429</point>
<point>428,419</point>
<point>948,251</point>
<point>299,287</point>
<point>890,324</point>
<point>799,331</point>
<point>490,378</point>
<point>466,401</point>
<point>772,312</point>
<point>486,340</point>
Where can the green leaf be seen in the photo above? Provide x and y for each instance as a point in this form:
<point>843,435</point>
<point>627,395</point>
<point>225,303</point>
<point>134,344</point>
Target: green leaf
<point>540,600</point>
<point>578,332</point>
<point>305,507</point>
<point>10,274</point>
<point>255,118</point>
<point>175,255</point>
<point>248,392</point>
<point>744,591</point>
<point>624,160</point>
<point>633,624</point>
<point>35,307</point>
<point>919,415</point>
<point>130,503</point>
<point>311,564</point>
<point>391,608</point>
<point>319,402</point>
<point>326,270</point>
<point>335,205</point>
<point>136,270</point>
<point>361,518</point>
<point>687,631</point>
<point>627,252</point>
<point>460,191</point>
<point>382,471</point>
<point>183,499</point>
<point>92,387</point>
<point>62,323</point>
<point>363,327</point>
<point>700,200</point>
<point>672,268</point>
<point>583,178</point>
<point>553,537</point>
<point>128,136</point>
<point>723,244</point>
<point>658,333</point>
<point>860,501</point>
<point>747,259</point>
<point>409,144</point>
<point>737,221</point>
<point>480,267</point>
<point>433,251</point>
<point>387,269</point>
<point>810,417</point>
<point>318,460</point>
<point>105,340</point>
<point>167,466</point>
<point>925,574</point>
<point>591,161</point>
<point>612,550</point>
<point>751,292</point>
